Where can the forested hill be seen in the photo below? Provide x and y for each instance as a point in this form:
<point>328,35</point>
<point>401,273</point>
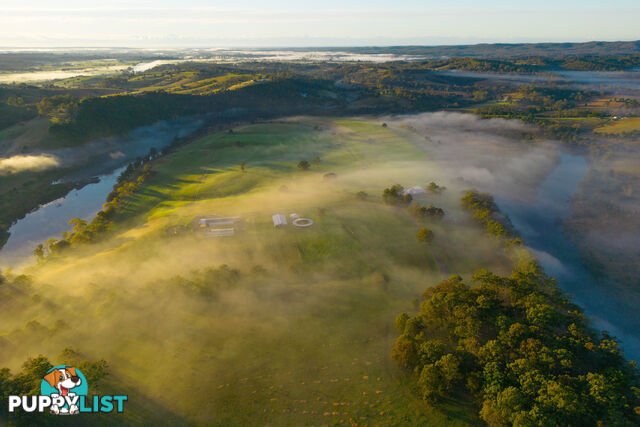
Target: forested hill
<point>505,50</point>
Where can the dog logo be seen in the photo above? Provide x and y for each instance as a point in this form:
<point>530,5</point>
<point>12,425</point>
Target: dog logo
<point>64,382</point>
<point>64,391</point>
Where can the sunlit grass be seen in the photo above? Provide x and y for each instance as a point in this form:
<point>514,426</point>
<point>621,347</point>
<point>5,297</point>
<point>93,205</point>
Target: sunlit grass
<point>630,124</point>
<point>304,337</point>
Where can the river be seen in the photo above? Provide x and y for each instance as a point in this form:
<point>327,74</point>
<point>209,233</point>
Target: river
<point>538,222</point>
<point>50,220</point>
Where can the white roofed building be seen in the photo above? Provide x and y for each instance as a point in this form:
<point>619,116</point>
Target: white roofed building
<point>279,220</point>
<point>414,190</point>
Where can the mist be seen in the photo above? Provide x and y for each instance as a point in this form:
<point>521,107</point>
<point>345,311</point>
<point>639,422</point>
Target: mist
<point>273,320</point>
<point>490,155</point>
<point>147,302</point>
<point>103,155</point>
<point>17,164</point>
<point>576,211</point>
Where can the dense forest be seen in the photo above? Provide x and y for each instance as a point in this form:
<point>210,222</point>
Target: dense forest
<point>515,345</point>
<point>511,50</point>
<point>520,349</point>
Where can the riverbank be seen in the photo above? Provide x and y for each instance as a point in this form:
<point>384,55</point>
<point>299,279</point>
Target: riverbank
<point>38,205</point>
<point>540,224</point>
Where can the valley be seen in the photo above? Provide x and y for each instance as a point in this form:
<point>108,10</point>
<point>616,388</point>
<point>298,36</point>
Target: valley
<point>107,260</point>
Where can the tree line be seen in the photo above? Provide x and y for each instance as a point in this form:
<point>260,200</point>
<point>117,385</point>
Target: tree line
<point>519,350</point>
<point>515,346</point>
<point>82,232</point>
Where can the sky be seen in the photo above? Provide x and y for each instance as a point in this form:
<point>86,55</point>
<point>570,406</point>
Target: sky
<point>254,23</point>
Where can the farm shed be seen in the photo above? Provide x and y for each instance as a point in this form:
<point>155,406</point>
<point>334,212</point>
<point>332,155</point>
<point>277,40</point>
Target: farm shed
<point>279,220</point>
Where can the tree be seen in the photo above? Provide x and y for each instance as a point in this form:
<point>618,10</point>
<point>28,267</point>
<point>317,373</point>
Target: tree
<point>49,244</point>
<point>316,160</point>
<point>486,212</point>
<point>34,368</point>
<point>93,371</point>
<point>39,251</point>
<point>480,95</point>
<point>430,382</point>
<point>432,350</point>
<point>424,235</point>
<point>16,101</point>
<point>404,353</point>
<point>524,352</point>
<point>55,246</point>
<point>242,166</point>
<point>434,188</point>
<point>421,212</point>
<point>417,211</point>
<point>77,224</point>
<point>401,321</point>
<point>29,379</point>
<point>394,195</point>
<point>303,165</point>
<point>450,369</point>
<point>60,109</point>
<point>434,212</point>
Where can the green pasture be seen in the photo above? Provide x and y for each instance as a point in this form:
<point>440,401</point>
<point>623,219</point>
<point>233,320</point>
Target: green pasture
<point>622,126</point>
<point>304,336</point>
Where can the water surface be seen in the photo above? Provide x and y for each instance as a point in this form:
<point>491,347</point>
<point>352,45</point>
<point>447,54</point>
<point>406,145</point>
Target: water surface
<point>51,220</point>
<point>109,158</point>
<point>539,223</point>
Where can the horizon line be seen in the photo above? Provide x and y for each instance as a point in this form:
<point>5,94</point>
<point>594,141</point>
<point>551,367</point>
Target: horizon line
<point>328,46</point>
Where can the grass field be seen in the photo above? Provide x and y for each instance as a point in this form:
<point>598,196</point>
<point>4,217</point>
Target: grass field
<point>622,126</point>
<point>189,82</point>
<point>303,335</point>
<point>172,81</point>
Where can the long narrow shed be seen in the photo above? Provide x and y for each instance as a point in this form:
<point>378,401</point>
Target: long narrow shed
<point>279,220</point>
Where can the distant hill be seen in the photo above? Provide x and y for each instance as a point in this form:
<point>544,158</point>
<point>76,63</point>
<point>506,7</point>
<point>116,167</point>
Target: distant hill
<point>501,50</point>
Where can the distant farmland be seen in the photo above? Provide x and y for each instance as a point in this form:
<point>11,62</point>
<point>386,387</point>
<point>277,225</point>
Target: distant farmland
<point>620,127</point>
